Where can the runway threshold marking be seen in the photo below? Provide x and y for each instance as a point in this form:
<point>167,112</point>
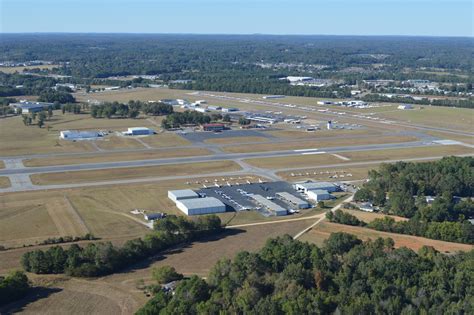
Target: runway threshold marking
<point>305,150</point>
<point>312,153</point>
<point>341,157</point>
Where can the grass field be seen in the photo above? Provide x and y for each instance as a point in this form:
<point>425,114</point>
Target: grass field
<point>112,157</point>
<point>2,164</point>
<point>165,140</point>
<point>450,136</point>
<point>358,156</point>
<point>318,143</point>
<point>323,230</point>
<point>119,142</point>
<point>20,69</point>
<point>233,140</point>
<point>370,216</point>
<point>436,116</point>
<point>134,172</point>
<point>4,182</point>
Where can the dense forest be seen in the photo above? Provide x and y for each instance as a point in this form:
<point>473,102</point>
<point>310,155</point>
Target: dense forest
<point>402,189</point>
<point>241,63</point>
<point>102,258</point>
<point>345,276</point>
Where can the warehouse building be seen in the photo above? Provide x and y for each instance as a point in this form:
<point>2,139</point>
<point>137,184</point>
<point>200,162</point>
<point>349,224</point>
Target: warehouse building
<point>308,186</point>
<point>269,205</point>
<point>318,195</point>
<point>30,107</point>
<point>182,194</point>
<point>197,206</point>
<point>138,131</point>
<point>79,135</point>
<point>293,200</point>
<point>213,127</point>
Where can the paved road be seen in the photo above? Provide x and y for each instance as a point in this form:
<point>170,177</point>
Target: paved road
<point>208,158</point>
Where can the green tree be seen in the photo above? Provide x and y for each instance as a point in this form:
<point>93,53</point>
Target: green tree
<point>165,274</point>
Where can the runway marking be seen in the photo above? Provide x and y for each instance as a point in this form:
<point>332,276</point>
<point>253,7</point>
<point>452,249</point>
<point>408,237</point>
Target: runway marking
<point>312,153</point>
<point>341,157</point>
<point>448,142</point>
<point>305,150</point>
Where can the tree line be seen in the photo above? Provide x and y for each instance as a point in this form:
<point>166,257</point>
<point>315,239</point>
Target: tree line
<point>130,110</point>
<point>345,276</point>
<point>178,119</point>
<point>463,103</point>
<point>102,258</point>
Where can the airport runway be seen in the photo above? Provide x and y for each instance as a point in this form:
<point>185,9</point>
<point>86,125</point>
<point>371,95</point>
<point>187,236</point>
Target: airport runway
<point>209,158</point>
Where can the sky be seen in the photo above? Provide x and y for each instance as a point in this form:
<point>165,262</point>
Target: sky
<point>326,17</point>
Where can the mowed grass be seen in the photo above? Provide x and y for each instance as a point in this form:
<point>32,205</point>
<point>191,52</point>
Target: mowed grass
<point>113,157</point>
<point>319,143</point>
<point>450,136</point>
<point>25,223</point>
<point>292,134</point>
<point>5,182</point>
<point>358,156</point>
<point>166,139</point>
<point>436,116</point>
<point>133,172</point>
<point>233,140</point>
<point>368,217</point>
<point>114,142</point>
<point>2,164</point>
<point>322,231</point>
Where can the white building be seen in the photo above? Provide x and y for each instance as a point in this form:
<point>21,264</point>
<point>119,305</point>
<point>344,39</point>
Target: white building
<point>294,79</point>
<point>138,131</point>
<point>269,205</point>
<point>197,206</point>
<point>78,135</point>
<point>201,109</point>
<point>305,187</point>
<point>318,195</point>
<point>181,194</point>
<point>405,106</point>
<point>26,107</point>
<point>229,109</point>
<point>266,97</point>
<point>293,200</point>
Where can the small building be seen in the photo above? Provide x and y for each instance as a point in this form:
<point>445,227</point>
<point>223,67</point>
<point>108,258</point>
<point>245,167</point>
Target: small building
<point>367,207</point>
<point>305,187</point>
<point>197,206</point>
<point>154,216</point>
<point>182,194</point>
<point>266,97</point>
<point>201,109</point>
<point>270,205</point>
<point>200,102</point>
<point>229,109</point>
<point>405,106</point>
<point>139,131</point>
<point>30,107</point>
<point>79,135</point>
<point>325,102</point>
<point>293,200</point>
<point>212,107</point>
<point>213,127</point>
<point>318,195</point>
<point>264,120</point>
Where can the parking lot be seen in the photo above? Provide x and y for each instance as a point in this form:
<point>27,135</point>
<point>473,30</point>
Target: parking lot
<point>237,197</point>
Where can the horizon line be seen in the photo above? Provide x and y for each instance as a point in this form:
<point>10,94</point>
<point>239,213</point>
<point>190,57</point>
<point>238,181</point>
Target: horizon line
<point>235,34</point>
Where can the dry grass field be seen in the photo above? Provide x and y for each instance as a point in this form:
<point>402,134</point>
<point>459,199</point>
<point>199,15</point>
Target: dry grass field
<point>318,143</point>
<point>118,142</point>
<point>133,172</point>
<point>304,161</point>
<point>323,230</point>
<point>292,133</point>
<point>21,69</point>
<point>450,136</point>
<point>234,140</point>
<point>2,164</point>
<point>116,156</point>
<point>370,216</point>
<point>436,116</point>
<point>4,182</point>
<point>165,140</point>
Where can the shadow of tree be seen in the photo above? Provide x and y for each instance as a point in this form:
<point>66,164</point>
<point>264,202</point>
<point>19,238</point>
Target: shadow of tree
<point>35,294</point>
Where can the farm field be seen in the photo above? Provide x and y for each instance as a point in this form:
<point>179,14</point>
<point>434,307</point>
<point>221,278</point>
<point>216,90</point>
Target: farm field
<point>134,172</point>
<point>4,182</point>
<point>116,156</point>
<point>358,156</point>
<point>318,234</point>
<point>348,141</point>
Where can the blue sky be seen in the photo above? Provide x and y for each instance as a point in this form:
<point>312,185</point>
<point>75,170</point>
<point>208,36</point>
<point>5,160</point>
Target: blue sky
<point>338,17</point>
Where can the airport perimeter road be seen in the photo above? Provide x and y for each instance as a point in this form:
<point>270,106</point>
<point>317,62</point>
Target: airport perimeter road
<point>210,158</point>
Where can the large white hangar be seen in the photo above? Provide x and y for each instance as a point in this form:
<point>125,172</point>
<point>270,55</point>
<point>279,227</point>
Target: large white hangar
<point>181,194</point>
<point>198,206</point>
